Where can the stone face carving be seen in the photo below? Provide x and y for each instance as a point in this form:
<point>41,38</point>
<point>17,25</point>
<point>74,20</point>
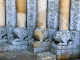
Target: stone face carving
<point>10,17</point>
<point>31,13</point>
<point>75,15</point>
<point>40,34</point>
<point>62,37</point>
<point>53,7</point>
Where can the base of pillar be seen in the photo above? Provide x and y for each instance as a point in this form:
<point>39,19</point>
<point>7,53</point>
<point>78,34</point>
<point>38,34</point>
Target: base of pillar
<point>39,46</point>
<point>8,47</point>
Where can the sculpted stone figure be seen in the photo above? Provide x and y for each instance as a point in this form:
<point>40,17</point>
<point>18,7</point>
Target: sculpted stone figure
<point>62,37</point>
<point>40,34</point>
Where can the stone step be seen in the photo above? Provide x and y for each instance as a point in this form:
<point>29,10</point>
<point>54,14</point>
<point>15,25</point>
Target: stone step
<point>27,55</point>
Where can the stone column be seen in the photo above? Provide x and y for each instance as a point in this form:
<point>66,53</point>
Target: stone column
<point>41,32</point>
<point>21,13</point>
<point>64,14</point>
<point>2,12</point>
<point>42,8</point>
<point>63,36</point>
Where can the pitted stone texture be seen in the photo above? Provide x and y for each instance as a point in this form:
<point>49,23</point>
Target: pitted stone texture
<point>53,6</point>
<point>51,33</point>
<point>3,33</point>
<point>8,47</point>
<point>20,32</point>
<point>75,37</point>
<point>75,15</point>
<point>18,42</point>
<point>62,51</point>
<point>31,13</point>
<point>30,33</point>
<point>10,17</point>
<point>39,46</point>
<point>40,34</point>
<point>10,32</point>
<point>62,36</point>
<point>27,55</point>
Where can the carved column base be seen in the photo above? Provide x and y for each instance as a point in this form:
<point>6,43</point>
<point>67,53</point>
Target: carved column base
<point>20,35</point>
<point>37,46</point>
<point>40,42</point>
<point>62,44</point>
<point>3,35</point>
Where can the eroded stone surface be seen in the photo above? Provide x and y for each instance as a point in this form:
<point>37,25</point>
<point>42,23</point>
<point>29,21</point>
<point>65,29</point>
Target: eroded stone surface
<point>62,36</point>
<point>31,13</point>
<point>3,33</point>
<point>20,32</point>
<point>40,34</point>
<point>10,17</point>
<point>75,15</point>
<point>37,46</point>
<point>53,14</point>
<point>27,55</point>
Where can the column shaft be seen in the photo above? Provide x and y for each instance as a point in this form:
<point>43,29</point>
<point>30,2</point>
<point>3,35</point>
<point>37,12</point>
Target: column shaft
<point>2,12</point>
<point>21,13</point>
<point>42,8</point>
<point>64,14</point>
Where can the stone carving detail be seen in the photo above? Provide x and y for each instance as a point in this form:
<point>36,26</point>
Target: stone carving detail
<point>40,34</point>
<point>10,16</point>
<point>3,34</point>
<point>75,37</point>
<point>52,21</point>
<point>31,13</point>
<point>75,15</point>
<point>62,37</point>
<point>53,14</point>
<point>20,36</point>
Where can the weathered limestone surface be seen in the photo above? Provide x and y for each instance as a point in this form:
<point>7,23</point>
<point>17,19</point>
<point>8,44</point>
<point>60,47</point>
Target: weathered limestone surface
<point>52,21</point>
<point>2,12</point>
<point>10,17</point>
<point>64,14</point>
<point>21,13</point>
<point>40,34</point>
<point>75,37</point>
<point>75,15</point>
<point>42,11</point>
<point>31,13</point>
<point>37,46</point>
<point>62,37</point>
<point>27,55</point>
<point>31,17</point>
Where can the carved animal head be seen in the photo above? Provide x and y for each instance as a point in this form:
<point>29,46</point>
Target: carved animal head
<point>38,35</point>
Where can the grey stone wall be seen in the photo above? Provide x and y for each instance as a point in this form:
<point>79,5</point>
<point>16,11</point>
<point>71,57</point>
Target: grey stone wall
<point>52,20</point>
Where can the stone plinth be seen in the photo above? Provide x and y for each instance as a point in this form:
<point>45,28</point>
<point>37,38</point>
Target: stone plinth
<point>8,47</point>
<point>37,46</point>
<point>62,51</point>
